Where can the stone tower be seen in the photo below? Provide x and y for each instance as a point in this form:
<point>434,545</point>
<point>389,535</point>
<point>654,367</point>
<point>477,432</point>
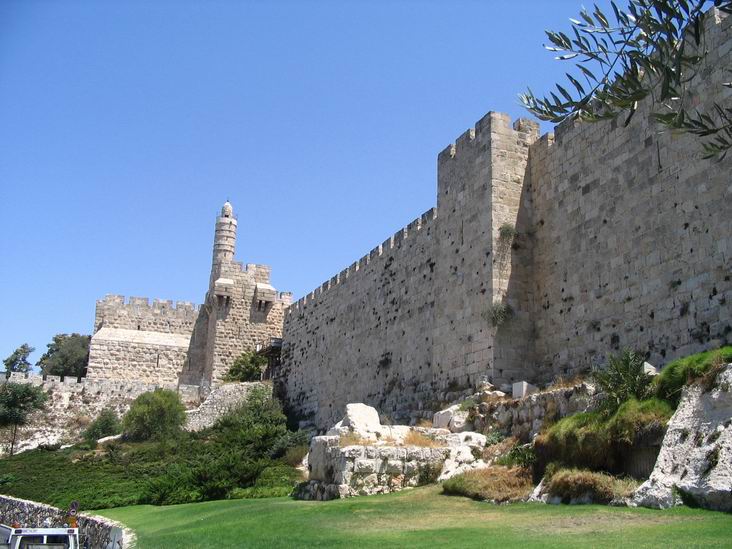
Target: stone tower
<point>241,312</point>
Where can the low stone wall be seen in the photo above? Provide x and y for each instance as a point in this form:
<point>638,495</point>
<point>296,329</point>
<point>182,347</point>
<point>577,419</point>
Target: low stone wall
<point>524,418</point>
<point>219,401</point>
<point>72,404</point>
<point>98,532</point>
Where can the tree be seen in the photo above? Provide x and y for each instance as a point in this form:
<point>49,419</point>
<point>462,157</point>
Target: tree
<point>158,414</point>
<point>67,355</point>
<point>652,49</point>
<point>248,367</point>
<point>106,424</point>
<point>18,361</point>
<point>17,402</point>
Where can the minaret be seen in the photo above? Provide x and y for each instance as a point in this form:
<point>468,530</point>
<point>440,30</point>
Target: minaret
<point>225,236</point>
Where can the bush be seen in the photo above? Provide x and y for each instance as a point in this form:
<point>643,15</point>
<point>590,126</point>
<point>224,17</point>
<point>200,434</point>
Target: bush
<point>428,473</point>
<point>499,484</point>
<point>494,437</point>
<point>290,440</point>
<point>248,367</point>
<point>498,313</point>
<point>295,455</point>
<point>154,415</point>
<point>569,484</point>
<point>106,424</point>
<point>678,373</point>
<point>522,455</point>
<point>622,379</point>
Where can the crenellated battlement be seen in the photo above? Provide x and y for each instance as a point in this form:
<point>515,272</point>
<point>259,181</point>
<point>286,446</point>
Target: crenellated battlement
<point>381,251</point>
<point>141,303</point>
<point>139,313</point>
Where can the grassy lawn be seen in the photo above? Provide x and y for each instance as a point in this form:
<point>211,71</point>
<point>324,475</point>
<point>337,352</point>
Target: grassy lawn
<point>417,518</point>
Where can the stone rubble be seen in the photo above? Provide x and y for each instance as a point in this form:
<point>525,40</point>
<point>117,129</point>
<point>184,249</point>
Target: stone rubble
<point>380,460</point>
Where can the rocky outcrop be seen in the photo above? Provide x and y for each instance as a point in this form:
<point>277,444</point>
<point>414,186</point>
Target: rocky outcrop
<point>695,462</point>
<point>97,532</point>
<point>359,456</point>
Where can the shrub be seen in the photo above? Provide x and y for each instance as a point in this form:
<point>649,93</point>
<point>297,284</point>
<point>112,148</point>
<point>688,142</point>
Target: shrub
<point>248,367</point>
<point>294,456</point>
<point>428,473</point>
<point>499,484</point>
<point>678,373</point>
<point>622,379</point>
<point>467,404</point>
<point>494,437</point>
<point>499,313</point>
<point>507,232</point>
<point>106,424</point>
<point>569,484</point>
<point>522,455</point>
<point>154,415</point>
<point>287,441</point>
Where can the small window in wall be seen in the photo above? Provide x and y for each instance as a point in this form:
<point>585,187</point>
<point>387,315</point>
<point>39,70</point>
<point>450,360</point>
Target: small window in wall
<point>138,326</point>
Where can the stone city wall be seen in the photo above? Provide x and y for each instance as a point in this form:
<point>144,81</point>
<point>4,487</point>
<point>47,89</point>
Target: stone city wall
<point>630,234</point>
<point>616,236</point>
<point>95,531</point>
<point>365,335</point>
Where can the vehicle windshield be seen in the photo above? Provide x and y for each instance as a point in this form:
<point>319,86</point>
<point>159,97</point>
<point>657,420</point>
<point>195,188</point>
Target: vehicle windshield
<point>51,542</point>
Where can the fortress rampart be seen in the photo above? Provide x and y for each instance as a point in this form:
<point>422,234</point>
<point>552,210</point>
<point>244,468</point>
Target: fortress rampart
<point>138,313</point>
<point>542,257</point>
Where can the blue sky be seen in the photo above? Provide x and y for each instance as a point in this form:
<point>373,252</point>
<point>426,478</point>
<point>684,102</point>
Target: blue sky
<point>125,125</point>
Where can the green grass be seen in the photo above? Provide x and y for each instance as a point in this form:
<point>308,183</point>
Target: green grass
<point>678,373</point>
<point>417,518</point>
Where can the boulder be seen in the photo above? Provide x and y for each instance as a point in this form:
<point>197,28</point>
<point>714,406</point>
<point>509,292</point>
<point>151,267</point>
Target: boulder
<point>361,420</point>
<point>695,461</point>
<point>459,422</point>
<point>522,389</point>
<point>441,419</point>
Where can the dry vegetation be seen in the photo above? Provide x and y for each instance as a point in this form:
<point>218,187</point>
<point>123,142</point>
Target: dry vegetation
<point>498,484</point>
<point>415,438</point>
<point>352,439</point>
<point>499,449</point>
<point>562,382</point>
<point>577,483</point>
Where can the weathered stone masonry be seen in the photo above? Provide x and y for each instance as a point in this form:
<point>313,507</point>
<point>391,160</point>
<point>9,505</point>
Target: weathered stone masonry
<point>183,344</point>
<point>623,240</point>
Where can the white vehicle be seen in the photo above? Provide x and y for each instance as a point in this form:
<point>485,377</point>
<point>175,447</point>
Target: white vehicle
<point>38,538</point>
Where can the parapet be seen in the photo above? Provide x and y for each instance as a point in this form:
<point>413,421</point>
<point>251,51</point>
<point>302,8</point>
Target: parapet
<point>112,301</point>
<point>160,315</point>
<point>419,224</point>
